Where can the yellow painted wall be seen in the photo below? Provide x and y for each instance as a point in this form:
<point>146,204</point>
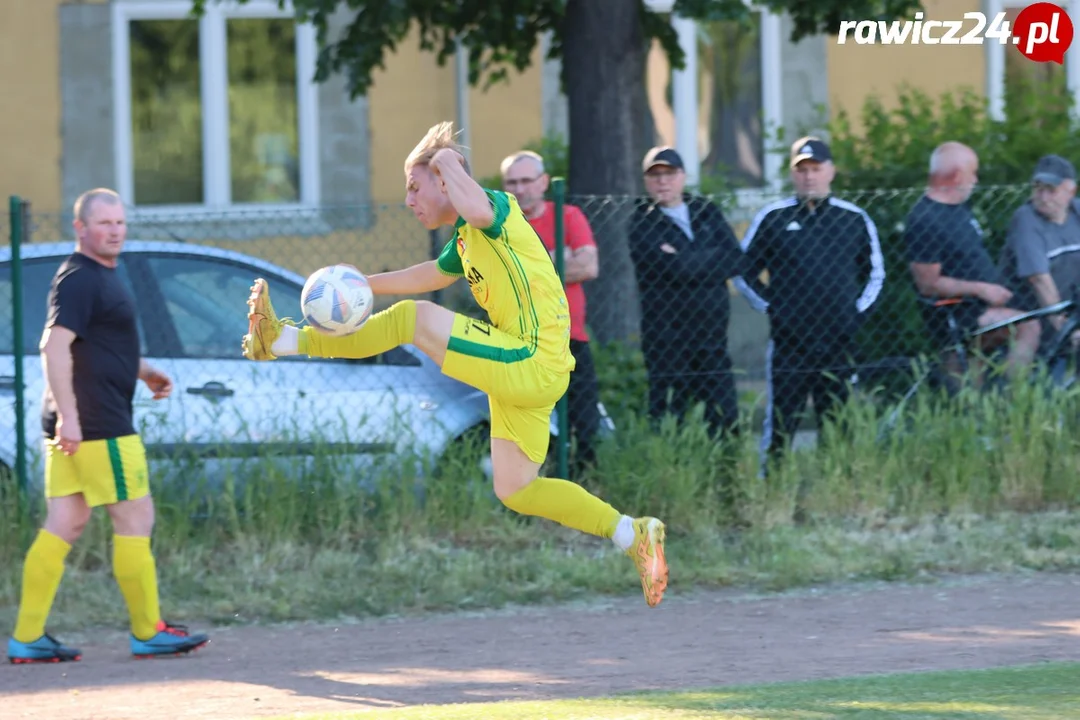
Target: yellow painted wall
<point>30,88</point>
<point>413,93</point>
<point>858,71</point>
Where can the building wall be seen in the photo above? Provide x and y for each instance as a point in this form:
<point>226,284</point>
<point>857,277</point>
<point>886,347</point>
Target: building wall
<point>858,71</point>
<point>30,88</point>
<point>414,92</point>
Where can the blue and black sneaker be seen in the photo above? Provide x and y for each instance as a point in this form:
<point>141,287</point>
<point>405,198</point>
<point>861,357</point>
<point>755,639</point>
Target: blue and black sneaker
<point>46,649</point>
<point>170,640</point>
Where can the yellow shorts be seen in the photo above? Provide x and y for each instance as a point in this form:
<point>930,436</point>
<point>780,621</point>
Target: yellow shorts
<point>521,390</point>
<point>104,471</point>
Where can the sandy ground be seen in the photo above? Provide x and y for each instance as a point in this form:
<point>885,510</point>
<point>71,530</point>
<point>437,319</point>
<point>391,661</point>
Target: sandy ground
<point>692,640</point>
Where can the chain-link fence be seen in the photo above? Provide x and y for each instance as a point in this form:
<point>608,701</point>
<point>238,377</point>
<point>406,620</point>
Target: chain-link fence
<point>760,301</point>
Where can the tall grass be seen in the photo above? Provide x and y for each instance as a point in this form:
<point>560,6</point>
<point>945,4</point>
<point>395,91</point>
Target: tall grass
<point>981,481</point>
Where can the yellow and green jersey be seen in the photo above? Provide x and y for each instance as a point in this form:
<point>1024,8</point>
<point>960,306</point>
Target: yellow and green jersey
<point>512,277</point>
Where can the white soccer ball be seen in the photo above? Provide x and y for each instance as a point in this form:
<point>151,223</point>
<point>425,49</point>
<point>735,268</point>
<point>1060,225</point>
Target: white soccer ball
<point>337,300</point>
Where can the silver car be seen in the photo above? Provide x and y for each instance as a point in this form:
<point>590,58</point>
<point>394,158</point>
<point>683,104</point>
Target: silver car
<point>227,412</point>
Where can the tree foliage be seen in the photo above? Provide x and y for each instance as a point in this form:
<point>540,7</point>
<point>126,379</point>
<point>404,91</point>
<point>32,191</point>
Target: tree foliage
<point>502,36</point>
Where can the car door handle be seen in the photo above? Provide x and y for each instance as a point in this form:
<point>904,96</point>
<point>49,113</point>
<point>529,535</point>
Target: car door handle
<point>7,382</point>
<point>212,389</point>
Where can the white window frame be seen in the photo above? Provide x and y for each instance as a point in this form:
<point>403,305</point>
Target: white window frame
<point>772,93</point>
<point>686,102</point>
<point>995,54</point>
<point>217,179</point>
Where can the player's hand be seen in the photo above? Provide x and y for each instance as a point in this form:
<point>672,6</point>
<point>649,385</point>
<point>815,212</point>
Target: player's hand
<point>665,247</point>
<point>68,435</point>
<point>995,295</point>
<point>443,158</point>
<point>159,383</point>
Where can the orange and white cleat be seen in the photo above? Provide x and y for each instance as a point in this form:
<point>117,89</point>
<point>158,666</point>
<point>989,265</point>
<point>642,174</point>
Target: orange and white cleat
<point>647,552</point>
<point>263,324</point>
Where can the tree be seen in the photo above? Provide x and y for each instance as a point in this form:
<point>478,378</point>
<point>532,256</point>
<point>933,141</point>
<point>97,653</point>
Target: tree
<point>603,46</point>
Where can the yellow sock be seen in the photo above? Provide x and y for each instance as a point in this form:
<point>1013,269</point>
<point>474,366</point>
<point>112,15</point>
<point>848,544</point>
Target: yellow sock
<point>136,574</point>
<point>383,331</point>
<point>567,504</point>
<point>42,570</point>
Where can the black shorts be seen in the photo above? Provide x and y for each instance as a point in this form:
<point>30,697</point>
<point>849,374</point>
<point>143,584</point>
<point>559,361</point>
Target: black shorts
<point>950,324</point>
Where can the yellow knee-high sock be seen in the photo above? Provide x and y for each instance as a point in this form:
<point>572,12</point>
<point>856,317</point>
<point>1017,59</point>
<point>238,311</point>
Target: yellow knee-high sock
<point>383,331</point>
<point>136,574</point>
<point>567,504</point>
<point>42,571</point>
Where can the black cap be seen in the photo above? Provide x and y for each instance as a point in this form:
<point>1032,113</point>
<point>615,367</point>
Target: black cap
<point>809,148</point>
<point>662,155</point>
<point>1053,170</point>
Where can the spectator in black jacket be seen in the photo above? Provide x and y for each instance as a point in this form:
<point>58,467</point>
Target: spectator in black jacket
<point>825,270</point>
<point>684,251</point>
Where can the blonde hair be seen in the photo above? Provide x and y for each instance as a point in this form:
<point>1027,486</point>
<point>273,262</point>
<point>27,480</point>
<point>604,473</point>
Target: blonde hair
<point>86,201</point>
<point>438,137</point>
<point>511,160</point>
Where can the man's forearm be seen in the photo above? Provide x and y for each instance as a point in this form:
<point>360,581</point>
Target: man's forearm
<point>953,287</point>
<point>465,194</point>
<point>422,278</point>
<point>1045,289</point>
<point>58,367</point>
<point>579,268</point>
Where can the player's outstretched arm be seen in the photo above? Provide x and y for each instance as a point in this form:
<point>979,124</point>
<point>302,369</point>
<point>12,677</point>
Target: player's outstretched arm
<point>465,194</point>
<point>422,278</point>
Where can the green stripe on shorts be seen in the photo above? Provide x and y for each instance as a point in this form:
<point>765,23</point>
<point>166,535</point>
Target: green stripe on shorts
<point>117,469</point>
<point>487,352</point>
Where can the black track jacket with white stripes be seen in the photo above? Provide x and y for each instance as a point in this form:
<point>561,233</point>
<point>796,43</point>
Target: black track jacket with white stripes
<point>825,269</point>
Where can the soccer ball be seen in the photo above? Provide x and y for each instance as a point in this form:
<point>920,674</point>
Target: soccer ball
<point>337,300</point>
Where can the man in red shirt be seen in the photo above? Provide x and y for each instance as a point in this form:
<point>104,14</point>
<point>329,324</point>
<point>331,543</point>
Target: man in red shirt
<point>523,175</point>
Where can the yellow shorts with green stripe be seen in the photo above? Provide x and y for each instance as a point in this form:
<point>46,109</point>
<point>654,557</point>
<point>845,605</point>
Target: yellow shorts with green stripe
<point>522,390</point>
<point>105,472</point>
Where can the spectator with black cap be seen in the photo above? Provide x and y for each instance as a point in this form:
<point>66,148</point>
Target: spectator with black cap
<point>825,271</point>
<point>684,251</point>
<point>1041,257</point>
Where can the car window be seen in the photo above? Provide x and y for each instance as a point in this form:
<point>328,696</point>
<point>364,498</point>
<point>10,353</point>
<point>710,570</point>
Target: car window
<point>207,301</point>
<point>37,278</point>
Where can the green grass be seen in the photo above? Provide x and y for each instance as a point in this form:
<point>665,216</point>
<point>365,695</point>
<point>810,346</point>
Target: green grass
<point>988,483</point>
<point>1036,692</point>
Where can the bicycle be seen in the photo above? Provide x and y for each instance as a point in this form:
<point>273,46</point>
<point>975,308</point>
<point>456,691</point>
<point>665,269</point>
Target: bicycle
<point>1058,355</point>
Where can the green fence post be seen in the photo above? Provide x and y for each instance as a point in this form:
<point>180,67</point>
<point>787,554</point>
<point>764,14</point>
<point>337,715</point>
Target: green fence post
<point>18,219</point>
<point>562,443</point>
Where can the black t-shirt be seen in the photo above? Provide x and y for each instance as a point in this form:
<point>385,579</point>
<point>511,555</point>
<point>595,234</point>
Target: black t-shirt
<point>938,232</point>
<point>92,301</point>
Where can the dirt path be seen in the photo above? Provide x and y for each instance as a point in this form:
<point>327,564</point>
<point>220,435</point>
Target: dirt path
<point>697,640</point>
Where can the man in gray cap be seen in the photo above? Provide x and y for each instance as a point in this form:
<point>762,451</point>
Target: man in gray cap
<point>1041,257</point>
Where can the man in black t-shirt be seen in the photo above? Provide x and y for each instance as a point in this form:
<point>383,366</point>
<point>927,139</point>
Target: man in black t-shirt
<point>948,259</point>
<point>93,456</point>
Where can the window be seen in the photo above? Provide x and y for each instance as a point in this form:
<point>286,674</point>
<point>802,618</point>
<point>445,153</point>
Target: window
<point>37,278</point>
<point>738,97</point>
<point>205,298</point>
<point>217,112</point>
<point>1008,72</point>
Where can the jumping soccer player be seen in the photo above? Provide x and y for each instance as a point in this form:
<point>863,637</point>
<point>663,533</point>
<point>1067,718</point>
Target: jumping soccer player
<point>521,360</point>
